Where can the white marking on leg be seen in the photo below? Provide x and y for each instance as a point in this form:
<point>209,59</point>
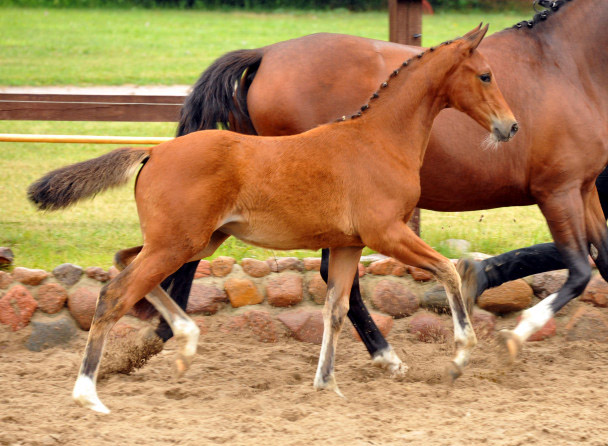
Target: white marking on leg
<point>187,329</point>
<point>85,394</point>
<point>594,252</point>
<point>388,359</point>
<point>328,348</point>
<point>319,382</point>
<point>535,318</point>
<point>464,337</point>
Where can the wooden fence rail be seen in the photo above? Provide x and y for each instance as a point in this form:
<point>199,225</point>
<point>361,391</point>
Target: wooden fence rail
<point>88,107</point>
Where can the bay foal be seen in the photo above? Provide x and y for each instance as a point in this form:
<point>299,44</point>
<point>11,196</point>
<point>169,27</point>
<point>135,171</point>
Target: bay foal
<point>343,186</point>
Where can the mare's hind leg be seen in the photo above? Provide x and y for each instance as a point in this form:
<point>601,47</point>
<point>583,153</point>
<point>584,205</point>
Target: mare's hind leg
<point>400,242</point>
<point>382,353</point>
<point>342,269</point>
<point>597,235</point>
<point>565,215</point>
<point>115,299</point>
<point>186,331</point>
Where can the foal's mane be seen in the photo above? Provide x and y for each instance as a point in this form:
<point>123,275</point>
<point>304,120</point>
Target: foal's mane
<point>552,7</point>
<point>394,74</point>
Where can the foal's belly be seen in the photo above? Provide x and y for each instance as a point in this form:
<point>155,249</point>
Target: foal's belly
<point>285,236</point>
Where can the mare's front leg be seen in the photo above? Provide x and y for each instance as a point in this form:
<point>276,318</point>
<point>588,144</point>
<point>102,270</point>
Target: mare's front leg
<point>400,242</point>
<point>381,351</point>
<point>565,215</point>
<point>343,264</point>
<point>595,223</point>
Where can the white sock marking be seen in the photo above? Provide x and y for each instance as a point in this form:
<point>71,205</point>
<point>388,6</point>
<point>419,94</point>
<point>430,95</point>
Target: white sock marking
<point>85,394</point>
<point>388,359</point>
<point>535,318</point>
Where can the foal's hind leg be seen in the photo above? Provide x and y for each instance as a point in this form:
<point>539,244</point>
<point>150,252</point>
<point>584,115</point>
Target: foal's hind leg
<point>186,331</point>
<point>342,268</point>
<point>400,242</point>
<point>382,353</point>
<point>115,299</point>
<point>179,284</point>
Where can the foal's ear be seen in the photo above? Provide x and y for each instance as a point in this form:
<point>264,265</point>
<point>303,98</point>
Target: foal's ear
<point>473,38</point>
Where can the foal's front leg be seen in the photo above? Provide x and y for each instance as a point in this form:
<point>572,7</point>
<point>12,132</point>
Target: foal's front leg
<point>400,242</point>
<point>342,268</point>
<point>382,353</point>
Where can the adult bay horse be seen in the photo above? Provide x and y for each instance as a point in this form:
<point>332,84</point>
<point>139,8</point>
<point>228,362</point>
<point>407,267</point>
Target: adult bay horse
<point>344,186</point>
<point>553,71</point>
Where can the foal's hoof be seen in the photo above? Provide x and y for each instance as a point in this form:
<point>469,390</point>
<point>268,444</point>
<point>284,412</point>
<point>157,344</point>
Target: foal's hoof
<point>468,274</point>
<point>182,364</point>
<point>452,373</point>
<point>329,384</point>
<point>509,345</point>
<point>387,359</point>
<point>84,393</point>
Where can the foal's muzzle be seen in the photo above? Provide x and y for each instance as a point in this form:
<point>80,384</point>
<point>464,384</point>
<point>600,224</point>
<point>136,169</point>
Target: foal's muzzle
<point>504,131</point>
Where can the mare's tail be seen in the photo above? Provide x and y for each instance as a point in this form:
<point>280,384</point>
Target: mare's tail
<point>220,94</point>
<point>65,186</point>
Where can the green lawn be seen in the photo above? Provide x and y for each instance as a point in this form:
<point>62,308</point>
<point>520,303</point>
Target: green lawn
<point>164,47</point>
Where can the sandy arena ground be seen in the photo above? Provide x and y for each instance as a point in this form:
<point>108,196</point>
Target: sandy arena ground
<point>243,392</point>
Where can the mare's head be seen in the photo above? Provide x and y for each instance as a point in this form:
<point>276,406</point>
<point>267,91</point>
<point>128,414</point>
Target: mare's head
<point>471,88</point>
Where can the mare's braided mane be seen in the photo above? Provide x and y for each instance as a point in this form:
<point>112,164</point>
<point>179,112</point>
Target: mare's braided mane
<point>393,74</point>
<point>552,7</point>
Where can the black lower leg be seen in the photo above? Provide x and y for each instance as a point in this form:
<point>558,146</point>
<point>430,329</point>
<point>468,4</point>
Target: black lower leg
<point>516,264</point>
<point>579,274</point>
<point>358,314</point>
<point>178,286</point>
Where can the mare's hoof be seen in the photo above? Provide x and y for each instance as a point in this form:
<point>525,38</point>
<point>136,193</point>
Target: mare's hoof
<point>468,275</point>
<point>452,373</point>
<point>387,359</point>
<point>509,345</point>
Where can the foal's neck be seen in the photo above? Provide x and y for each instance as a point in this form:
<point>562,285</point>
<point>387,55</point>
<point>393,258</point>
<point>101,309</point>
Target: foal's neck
<point>409,101</point>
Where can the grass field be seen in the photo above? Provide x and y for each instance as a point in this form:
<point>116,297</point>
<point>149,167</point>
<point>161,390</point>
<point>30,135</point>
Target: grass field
<point>146,47</point>
<point>165,47</point>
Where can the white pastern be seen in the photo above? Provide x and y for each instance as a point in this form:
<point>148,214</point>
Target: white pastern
<point>388,359</point>
<point>187,329</point>
<point>533,319</point>
<point>85,394</point>
<point>464,337</point>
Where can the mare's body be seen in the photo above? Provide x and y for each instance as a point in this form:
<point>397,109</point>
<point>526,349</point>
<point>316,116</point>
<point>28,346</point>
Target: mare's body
<point>553,72</point>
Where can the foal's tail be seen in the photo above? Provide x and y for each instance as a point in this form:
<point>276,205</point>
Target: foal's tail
<point>65,186</point>
<point>220,94</point>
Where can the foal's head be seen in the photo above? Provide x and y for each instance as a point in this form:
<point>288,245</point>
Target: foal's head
<point>471,88</point>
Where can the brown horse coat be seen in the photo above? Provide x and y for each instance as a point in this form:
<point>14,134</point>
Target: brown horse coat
<point>342,186</point>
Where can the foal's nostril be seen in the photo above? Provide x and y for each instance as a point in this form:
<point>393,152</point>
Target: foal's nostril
<point>514,129</point>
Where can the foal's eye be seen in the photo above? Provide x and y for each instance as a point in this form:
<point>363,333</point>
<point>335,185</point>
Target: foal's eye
<point>486,77</point>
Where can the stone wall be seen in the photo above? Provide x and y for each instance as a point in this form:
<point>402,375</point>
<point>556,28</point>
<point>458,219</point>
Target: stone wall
<point>261,295</point>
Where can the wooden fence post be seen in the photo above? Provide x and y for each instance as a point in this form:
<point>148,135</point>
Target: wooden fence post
<point>405,26</point>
